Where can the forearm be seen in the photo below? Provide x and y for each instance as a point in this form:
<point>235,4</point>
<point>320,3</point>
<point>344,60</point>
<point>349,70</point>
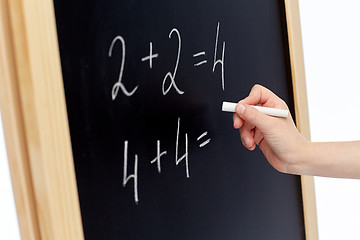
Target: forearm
<point>333,159</point>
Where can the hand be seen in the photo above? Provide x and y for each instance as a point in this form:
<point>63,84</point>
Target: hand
<point>278,138</point>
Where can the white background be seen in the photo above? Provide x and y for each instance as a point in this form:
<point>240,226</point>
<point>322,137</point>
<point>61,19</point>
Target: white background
<point>331,38</point>
<point>8,221</point>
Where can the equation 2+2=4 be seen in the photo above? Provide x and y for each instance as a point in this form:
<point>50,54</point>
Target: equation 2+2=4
<point>169,79</point>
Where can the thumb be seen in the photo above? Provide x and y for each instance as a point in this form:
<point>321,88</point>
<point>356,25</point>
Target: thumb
<point>253,116</point>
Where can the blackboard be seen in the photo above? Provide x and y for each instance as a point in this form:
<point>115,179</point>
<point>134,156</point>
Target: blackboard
<point>155,157</point>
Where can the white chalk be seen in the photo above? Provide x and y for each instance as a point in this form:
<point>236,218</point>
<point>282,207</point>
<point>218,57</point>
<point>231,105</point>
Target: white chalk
<point>275,112</point>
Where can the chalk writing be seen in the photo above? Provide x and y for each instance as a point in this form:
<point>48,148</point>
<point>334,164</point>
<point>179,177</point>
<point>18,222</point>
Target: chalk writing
<point>169,80</point>
<point>126,178</point>
<point>219,61</point>
<point>186,154</point>
<point>182,138</point>
<point>203,144</point>
<point>150,56</point>
<point>170,75</point>
<point>160,154</point>
<point>202,62</point>
<point>119,84</point>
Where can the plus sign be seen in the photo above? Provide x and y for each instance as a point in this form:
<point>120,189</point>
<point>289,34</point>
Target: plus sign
<point>150,57</point>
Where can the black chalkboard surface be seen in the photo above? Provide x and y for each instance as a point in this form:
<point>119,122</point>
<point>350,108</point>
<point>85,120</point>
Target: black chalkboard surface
<point>155,157</point>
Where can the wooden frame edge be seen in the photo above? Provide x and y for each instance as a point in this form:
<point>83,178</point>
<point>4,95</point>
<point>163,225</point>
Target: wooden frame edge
<point>301,111</point>
<point>15,134</point>
<point>35,71</point>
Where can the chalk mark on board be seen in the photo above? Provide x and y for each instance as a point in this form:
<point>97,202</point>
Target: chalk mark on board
<point>173,75</point>
<point>198,55</point>
<point>200,63</point>
<point>127,178</point>
<point>186,154</point>
<point>219,61</point>
<point>150,56</point>
<point>205,142</point>
<point>119,83</point>
<point>158,156</point>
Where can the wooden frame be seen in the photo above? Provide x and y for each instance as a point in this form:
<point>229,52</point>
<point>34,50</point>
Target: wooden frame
<point>301,110</point>
<point>37,131</point>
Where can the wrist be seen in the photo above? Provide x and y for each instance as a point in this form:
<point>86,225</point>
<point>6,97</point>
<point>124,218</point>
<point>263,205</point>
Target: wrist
<point>300,162</point>
<point>305,158</point>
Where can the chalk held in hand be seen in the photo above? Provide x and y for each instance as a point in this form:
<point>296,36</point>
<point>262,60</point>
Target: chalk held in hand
<point>275,112</point>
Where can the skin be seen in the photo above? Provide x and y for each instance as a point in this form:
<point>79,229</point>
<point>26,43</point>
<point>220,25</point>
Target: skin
<point>285,148</point>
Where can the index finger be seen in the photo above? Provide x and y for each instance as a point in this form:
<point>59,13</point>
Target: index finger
<point>260,95</point>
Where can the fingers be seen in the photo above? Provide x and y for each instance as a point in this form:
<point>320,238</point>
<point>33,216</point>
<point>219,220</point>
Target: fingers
<point>238,122</point>
<point>260,95</point>
<point>253,117</point>
<point>250,136</point>
<point>247,136</point>
<point>252,125</point>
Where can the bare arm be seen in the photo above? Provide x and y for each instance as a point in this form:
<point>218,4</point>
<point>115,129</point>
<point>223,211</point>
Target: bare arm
<point>333,159</point>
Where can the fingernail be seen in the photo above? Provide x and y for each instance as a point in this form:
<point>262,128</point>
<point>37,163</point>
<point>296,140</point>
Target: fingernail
<point>240,108</point>
<point>247,142</point>
<point>236,122</point>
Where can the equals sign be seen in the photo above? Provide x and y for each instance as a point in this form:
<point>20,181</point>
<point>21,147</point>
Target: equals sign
<point>202,62</point>
<point>201,137</point>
